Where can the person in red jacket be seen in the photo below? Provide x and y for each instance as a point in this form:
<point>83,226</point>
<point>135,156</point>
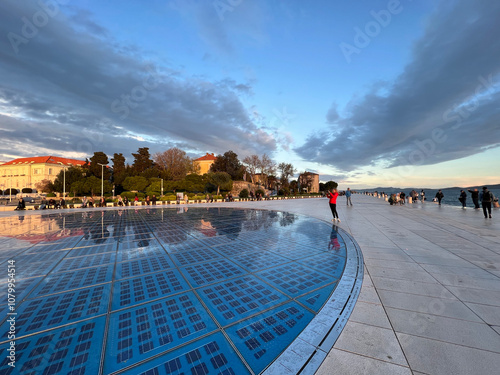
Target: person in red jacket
<point>332,195</point>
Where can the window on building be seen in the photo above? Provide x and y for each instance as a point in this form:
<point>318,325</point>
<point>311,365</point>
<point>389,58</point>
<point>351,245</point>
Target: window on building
<point>50,170</point>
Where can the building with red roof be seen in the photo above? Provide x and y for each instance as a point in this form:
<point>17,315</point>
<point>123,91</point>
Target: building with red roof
<point>203,164</point>
<point>25,173</point>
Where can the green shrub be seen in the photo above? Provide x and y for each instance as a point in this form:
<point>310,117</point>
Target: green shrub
<point>262,194</point>
<point>169,198</point>
<point>50,195</point>
<point>244,193</point>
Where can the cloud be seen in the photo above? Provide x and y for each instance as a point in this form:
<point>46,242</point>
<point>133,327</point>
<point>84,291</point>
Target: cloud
<point>223,24</point>
<point>70,88</point>
<point>333,177</point>
<point>443,106</point>
<point>332,115</point>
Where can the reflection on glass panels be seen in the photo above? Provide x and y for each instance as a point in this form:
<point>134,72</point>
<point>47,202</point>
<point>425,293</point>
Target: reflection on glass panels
<point>164,290</point>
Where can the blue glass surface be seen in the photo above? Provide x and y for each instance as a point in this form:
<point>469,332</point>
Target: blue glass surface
<point>140,289</point>
<point>55,310</point>
<point>72,349</point>
<point>143,265</point>
<point>209,355</point>
<point>143,331</point>
<point>59,282</point>
<point>316,299</point>
<point>158,291</point>
<point>236,299</point>
<point>262,338</point>
<point>294,279</point>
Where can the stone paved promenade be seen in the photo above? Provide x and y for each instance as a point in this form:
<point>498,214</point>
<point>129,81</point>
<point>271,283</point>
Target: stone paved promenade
<point>430,301</point>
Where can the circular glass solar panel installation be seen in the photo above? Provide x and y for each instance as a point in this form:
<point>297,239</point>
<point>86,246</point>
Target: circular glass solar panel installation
<point>171,291</point>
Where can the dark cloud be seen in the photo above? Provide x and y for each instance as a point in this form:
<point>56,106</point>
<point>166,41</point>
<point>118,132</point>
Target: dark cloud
<point>69,88</point>
<point>442,107</point>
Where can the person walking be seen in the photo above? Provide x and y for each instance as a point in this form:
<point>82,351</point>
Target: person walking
<point>332,195</point>
<point>439,196</point>
<point>474,194</point>
<point>463,198</point>
<point>486,198</point>
<point>348,194</point>
<point>422,195</point>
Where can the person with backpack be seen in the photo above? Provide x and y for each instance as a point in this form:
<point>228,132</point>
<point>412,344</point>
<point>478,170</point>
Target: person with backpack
<point>486,198</point>
<point>439,196</point>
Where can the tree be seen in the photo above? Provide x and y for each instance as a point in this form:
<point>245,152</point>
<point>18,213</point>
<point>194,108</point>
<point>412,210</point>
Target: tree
<point>294,186</point>
<point>119,168</point>
<point>138,183</point>
<point>252,162</point>
<point>142,160</point>
<point>45,186</point>
<point>195,182</point>
<point>267,167</point>
<point>72,173</point>
<point>272,181</point>
<point>96,168</point>
<point>220,179</point>
<point>286,170</point>
<point>174,162</point>
<point>230,164</point>
<point>330,185</point>
<point>90,185</point>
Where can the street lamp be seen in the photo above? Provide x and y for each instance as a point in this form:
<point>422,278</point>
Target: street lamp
<point>10,190</point>
<point>64,179</point>
<point>102,179</point>
<point>162,187</point>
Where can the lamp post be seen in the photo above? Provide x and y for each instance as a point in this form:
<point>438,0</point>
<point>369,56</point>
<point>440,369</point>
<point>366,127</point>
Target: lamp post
<point>64,179</point>
<point>102,179</point>
<point>162,187</point>
<point>10,190</point>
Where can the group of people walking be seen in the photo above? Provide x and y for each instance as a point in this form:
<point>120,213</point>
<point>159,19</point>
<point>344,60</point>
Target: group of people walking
<point>486,198</point>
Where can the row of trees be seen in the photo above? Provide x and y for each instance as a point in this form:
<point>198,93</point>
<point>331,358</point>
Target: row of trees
<point>170,170</point>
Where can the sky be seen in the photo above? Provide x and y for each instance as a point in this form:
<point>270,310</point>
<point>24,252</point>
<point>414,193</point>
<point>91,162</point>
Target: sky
<point>366,93</point>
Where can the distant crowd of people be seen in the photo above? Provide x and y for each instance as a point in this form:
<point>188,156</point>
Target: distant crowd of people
<point>484,198</point>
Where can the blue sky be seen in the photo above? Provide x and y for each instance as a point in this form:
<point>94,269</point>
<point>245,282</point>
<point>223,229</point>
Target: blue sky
<point>365,93</point>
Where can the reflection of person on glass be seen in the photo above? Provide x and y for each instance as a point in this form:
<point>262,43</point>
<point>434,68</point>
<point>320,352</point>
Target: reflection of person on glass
<point>334,241</point>
<point>332,195</point>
